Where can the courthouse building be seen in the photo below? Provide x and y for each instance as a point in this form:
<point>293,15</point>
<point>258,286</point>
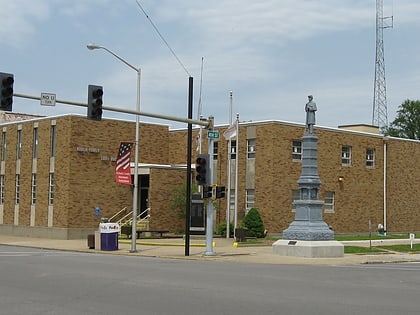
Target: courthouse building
<point>57,175</point>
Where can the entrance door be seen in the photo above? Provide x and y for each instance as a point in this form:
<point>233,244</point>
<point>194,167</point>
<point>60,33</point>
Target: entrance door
<point>197,215</point>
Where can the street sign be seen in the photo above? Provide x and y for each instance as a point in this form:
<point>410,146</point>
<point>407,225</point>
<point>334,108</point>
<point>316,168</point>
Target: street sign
<point>213,135</point>
<point>47,99</point>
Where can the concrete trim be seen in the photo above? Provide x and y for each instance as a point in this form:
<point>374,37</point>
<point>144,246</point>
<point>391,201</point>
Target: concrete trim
<point>45,232</point>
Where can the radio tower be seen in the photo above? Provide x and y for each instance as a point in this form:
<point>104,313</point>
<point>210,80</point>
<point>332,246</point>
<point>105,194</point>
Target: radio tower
<point>380,115</point>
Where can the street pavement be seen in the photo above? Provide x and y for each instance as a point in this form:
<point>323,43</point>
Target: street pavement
<point>223,250</point>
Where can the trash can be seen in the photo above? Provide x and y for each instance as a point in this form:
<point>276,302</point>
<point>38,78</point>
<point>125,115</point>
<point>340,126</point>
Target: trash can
<point>109,236</point>
<point>91,241</point>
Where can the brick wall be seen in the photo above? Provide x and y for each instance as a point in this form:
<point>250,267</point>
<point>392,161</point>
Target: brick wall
<point>358,199</point>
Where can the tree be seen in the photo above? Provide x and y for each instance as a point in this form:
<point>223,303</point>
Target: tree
<point>178,198</point>
<point>407,122</point>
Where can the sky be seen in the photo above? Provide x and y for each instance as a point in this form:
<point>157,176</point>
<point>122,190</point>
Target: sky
<point>271,54</point>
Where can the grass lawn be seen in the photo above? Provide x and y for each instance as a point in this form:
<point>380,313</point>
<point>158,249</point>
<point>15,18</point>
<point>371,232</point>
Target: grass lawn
<point>362,250</point>
<point>403,248</point>
<point>374,237</point>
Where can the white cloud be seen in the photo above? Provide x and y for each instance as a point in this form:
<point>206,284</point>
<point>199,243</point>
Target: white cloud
<point>18,20</point>
<point>271,53</point>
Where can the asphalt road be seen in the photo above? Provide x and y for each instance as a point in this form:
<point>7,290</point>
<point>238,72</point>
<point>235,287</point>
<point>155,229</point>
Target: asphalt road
<point>36,281</point>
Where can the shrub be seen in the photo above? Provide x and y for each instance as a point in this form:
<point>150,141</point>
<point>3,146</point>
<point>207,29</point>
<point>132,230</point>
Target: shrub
<point>254,224</point>
<point>221,229</point>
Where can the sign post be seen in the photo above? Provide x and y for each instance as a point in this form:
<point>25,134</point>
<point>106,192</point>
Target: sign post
<point>412,236</point>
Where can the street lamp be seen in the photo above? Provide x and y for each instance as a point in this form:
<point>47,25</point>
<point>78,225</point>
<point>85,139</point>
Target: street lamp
<point>136,151</point>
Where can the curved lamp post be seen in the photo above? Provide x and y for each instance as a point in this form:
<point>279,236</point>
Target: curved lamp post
<point>136,151</point>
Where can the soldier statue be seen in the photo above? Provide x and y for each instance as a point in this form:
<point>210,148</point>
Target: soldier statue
<point>310,109</point>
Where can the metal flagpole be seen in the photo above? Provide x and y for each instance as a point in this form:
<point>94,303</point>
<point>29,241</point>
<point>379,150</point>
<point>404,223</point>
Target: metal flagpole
<point>236,172</point>
<point>228,173</point>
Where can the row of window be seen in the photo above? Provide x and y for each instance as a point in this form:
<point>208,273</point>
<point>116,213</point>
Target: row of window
<point>33,189</point>
<point>346,155</point>
<point>35,145</point>
<point>329,197</point>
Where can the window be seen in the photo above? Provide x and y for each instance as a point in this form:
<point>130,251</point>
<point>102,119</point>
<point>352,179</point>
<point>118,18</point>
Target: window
<point>19,145</point>
<point>53,140</point>
<point>233,149</point>
<point>295,196</point>
<point>215,150</point>
<point>251,147</point>
<point>33,189</point>
<point>232,200</point>
<point>370,158</point>
<point>250,198</point>
<point>297,150</point>
<point>17,189</point>
<point>345,155</point>
<point>51,190</point>
<point>35,144</point>
<point>329,201</point>
<point>3,146</point>
<point>2,189</point>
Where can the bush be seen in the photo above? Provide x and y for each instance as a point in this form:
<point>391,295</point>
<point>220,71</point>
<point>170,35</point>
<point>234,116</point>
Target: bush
<point>221,229</point>
<point>254,224</point>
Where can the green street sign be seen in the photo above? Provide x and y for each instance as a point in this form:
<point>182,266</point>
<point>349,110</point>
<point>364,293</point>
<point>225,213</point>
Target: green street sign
<point>213,135</point>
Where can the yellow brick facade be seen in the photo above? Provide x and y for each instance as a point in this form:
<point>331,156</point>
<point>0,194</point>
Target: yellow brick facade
<point>84,162</point>
<point>358,199</point>
<point>83,168</point>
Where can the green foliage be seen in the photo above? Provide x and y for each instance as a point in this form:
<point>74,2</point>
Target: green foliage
<point>178,198</point>
<point>361,250</point>
<point>222,229</point>
<point>407,122</point>
<point>254,224</point>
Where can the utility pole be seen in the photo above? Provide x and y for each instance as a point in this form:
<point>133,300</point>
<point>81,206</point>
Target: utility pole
<point>380,115</point>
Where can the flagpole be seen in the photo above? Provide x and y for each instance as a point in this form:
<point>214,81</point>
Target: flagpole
<point>228,172</point>
<point>236,171</point>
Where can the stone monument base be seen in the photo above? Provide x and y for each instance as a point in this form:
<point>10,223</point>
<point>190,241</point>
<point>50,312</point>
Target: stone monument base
<point>311,249</point>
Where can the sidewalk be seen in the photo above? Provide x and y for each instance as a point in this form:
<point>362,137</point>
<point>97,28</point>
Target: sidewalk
<point>223,250</point>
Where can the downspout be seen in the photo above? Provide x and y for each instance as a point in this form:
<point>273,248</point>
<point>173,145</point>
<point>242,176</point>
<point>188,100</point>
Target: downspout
<point>385,183</point>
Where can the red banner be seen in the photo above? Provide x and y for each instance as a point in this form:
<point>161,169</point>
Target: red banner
<point>122,167</point>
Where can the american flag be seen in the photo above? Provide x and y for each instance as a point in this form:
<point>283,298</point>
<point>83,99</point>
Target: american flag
<point>124,153</point>
<point>122,167</point>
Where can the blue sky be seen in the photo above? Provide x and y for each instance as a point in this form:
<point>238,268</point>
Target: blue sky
<point>270,53</point>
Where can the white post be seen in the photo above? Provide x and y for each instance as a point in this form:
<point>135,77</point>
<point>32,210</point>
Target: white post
<point>210,210</point>
<point>236,171</point>
<point>228,173</point>
<point>136,170</point>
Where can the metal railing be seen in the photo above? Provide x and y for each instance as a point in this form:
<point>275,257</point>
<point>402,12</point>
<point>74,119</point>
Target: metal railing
<point>125,221</point>
<point>117,214</point>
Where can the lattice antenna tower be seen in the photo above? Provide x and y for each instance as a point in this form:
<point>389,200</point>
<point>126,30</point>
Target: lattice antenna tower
<point>380,112</point>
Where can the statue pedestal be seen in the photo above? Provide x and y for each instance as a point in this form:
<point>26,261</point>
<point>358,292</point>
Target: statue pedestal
<point>308,224</point>
<point>310,249</point>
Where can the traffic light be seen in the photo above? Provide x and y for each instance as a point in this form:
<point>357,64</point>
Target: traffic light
<point>202,169</point>
<point>95,102</point>
<point>6,95</point>
<point>220,192</point>
<point>207,192</point>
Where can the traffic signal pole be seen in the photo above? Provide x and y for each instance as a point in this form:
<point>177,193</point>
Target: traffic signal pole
<point>210,209</point>
<point>188,198</point>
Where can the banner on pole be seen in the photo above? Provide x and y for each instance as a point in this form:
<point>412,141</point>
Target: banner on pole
<point>122,167</point>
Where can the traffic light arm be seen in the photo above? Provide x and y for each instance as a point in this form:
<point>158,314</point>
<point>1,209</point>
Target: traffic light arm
<point>122,110</point>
